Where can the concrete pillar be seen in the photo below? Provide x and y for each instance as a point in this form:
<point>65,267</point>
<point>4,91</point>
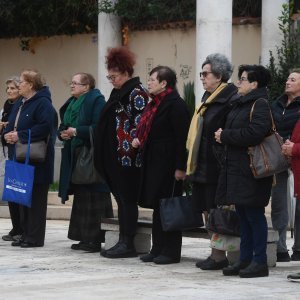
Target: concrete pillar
<point>109,35</point>
<point>213,34</point>
<point>270,33</point>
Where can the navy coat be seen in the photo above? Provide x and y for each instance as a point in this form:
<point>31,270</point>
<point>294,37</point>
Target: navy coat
<point>39,115</point>
<point>237,184</point>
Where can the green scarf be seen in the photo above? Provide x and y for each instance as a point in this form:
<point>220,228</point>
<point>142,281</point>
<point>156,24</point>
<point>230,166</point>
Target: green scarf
<point>71,117</point>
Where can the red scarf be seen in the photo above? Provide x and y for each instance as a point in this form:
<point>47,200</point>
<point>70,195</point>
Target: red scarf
<point>145,123</point>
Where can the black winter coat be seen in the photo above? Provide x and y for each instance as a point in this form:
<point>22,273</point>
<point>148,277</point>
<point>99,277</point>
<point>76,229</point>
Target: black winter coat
<point>237,184</point>
<point>164,151</point>
<point>286,117</point>
<point>210,151</point>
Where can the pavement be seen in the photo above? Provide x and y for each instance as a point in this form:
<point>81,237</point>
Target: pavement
<point>57,272</point>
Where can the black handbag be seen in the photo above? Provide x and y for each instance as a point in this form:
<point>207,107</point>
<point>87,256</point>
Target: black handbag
<point>84,171</point>
<point>267,159</point>
<point>223,220</point>
<point>178,214</point>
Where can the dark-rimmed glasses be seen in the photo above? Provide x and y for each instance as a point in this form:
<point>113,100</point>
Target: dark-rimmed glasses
<point>204,74</point>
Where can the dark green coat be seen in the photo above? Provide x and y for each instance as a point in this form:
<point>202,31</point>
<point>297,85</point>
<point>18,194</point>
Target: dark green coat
<point>88,116</point>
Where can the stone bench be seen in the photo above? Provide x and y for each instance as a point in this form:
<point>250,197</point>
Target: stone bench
<point>142,239</point>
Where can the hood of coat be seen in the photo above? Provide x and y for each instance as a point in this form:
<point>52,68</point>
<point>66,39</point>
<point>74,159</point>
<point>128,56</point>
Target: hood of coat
<point>42,93</point>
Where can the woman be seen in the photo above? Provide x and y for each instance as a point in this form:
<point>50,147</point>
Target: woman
<point>204,153</point>
<point>91,201</point>
<point>161,135</point>
<point>291,148</point>
<point>12,91</point>
<point>286,111</point>
<point>37,114</point>
<point>237,184</point>
<point>116,160</point>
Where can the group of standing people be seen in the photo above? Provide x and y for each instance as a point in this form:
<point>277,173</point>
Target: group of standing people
<point>146,145</point>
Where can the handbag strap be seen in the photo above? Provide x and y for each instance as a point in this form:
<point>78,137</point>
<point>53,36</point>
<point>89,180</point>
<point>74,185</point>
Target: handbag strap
<point>17,116</point>
<point>272,119</point>
<point>91,137</point>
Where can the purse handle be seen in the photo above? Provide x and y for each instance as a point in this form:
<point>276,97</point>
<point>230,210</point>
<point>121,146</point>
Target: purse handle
<point>272,119</point>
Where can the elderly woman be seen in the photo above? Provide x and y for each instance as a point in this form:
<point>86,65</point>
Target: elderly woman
<point>91,201</point>
<point>12,91</point>
<point>36,113</point>
<point>115,158</point>
<point>286,111</point>
<point>161,135</point>
<point>204,153</point>
<point>237,184</point>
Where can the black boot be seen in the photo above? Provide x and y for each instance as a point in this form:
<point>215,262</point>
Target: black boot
<point>254,270</point>
<point>235,268</point>
<point>122,250</point>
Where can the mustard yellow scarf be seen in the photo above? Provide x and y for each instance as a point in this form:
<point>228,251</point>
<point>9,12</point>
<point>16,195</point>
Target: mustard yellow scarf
<point>195,131</point>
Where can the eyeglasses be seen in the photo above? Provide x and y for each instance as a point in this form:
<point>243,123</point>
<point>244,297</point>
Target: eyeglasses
<point>204,74</point>
<point>112,77</point>
<point>242,79</point>
<point>76,83</point>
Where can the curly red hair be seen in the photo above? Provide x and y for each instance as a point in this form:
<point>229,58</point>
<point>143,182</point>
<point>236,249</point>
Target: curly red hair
<point>120,59</point>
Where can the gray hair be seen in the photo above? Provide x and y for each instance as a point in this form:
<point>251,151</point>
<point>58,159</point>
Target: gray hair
<point>220,66</point>
<point>13,79</point>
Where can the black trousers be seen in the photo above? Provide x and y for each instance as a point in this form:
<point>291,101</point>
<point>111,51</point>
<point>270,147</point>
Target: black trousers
<point>15,216</point>
<point>166,243</point>
<point>128,215</point>
<point>33,219</point>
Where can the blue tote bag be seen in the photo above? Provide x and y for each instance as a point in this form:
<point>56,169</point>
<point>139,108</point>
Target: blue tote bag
<point>18,180</point>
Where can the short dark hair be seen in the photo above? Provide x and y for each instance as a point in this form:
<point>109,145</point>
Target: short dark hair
<point>256,73</point>
<point>167,74</point>
<point>87,78</point>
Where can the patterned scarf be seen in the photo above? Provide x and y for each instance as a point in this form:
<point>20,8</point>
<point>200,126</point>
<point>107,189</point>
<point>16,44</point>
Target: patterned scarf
<point>145,123</point>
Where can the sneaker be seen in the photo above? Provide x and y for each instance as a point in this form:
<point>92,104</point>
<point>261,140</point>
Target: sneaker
<point>294,277</point>
<point>283,257</point>
<point>255,270</point>
<point>211,264</point>
<point>295,256</point>
<point>235,268</point>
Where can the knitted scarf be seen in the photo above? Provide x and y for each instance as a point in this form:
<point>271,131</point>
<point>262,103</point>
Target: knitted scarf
<point>195,131</point>
<point>145,123</point>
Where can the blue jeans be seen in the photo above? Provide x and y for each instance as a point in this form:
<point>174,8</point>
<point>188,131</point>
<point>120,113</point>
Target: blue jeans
<point>279,209</point>
<point>254,233</point>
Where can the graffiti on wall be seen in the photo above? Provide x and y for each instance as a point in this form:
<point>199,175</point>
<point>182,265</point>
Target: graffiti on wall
<point>149,66</point>
<point>185,71</point>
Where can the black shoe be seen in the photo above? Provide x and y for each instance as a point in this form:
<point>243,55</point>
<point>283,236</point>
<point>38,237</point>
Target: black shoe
<point>17,243</point>
<point>211,264</point>
<point>200,262</point>
<point>235,268</point>
<point>294,277</point>
<point>295,256</point>
<point>283,257</point>
<point>91,247</point>
<point>165,260</point>
<point>30,245</point>
<point>121,251</point>
<point>255,270</point>
<point>103,252</point>
<point>7,238</point>
<point>77,246</point>
<point>148,257</point>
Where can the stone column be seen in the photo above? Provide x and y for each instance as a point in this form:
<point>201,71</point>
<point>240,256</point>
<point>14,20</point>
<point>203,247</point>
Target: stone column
<point>109,35</point>
<point>270,33</point>
<point>213,34</point>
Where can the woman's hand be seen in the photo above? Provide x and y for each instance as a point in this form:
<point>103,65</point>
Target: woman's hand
<point>11,137</point>
<point>180,175</point>
<point>135,143</point>
<point>68,133</point>
<point>287,148</point>
<point>218,135</point>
